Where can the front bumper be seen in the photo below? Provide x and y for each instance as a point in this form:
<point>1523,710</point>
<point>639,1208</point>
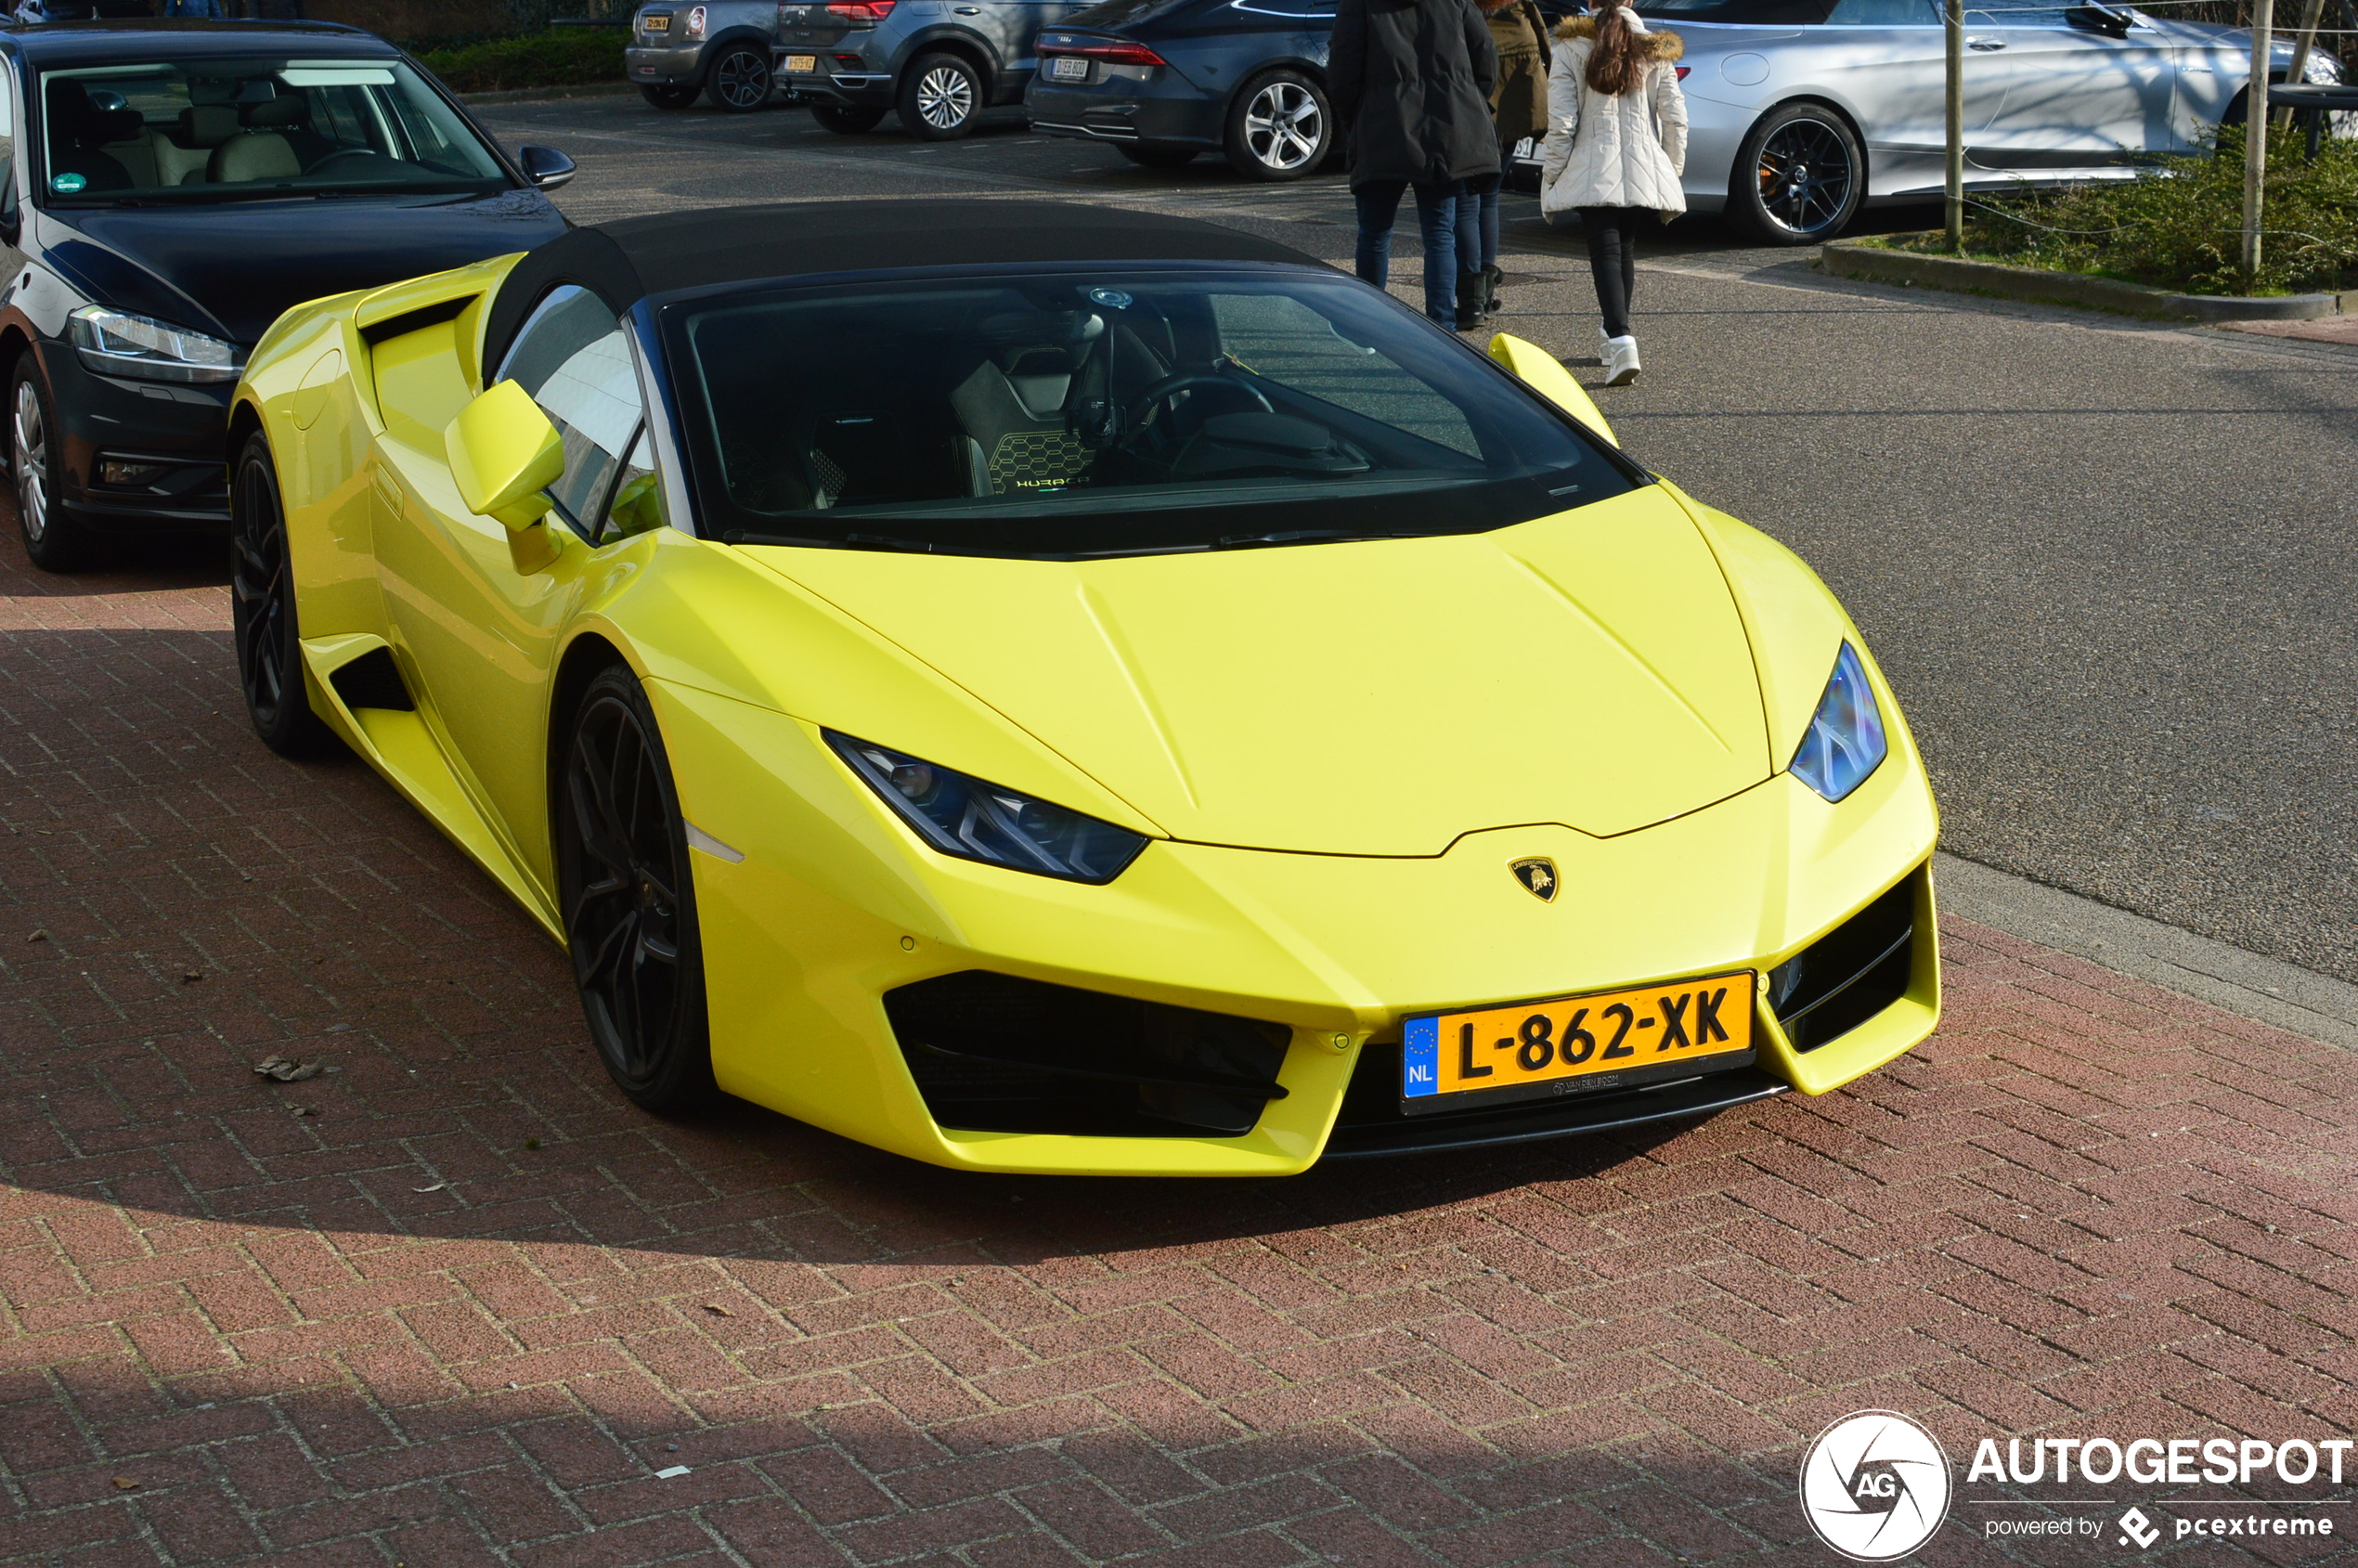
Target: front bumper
<point>179,433</point>
<point>679,65</point>
<point>1166,110</point>
<point>834,905</point>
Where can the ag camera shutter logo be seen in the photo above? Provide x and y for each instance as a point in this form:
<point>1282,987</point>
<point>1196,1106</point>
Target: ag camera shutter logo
<point>1875,1485</point>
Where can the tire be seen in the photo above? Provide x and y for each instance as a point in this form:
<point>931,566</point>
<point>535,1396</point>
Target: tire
<point>1148,155</point>
<point>55,540</point>
<point>668,96</point>
<point>627,900</point>
<point>739,80</point>
<point>844,120</point>
<point>1799,177</point>
<point>1279,127</point>
<point>941,97</point>
<point>262,611</point>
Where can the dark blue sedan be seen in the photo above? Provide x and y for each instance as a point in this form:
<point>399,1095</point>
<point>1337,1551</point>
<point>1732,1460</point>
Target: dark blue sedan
<point>1163,80</point>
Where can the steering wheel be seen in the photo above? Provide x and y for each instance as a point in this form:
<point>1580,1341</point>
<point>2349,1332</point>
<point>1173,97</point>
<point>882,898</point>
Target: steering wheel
<point>1135,418</point>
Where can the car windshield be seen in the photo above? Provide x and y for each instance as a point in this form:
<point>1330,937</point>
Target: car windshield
<point>1102,411</point>
<point>221,130</point>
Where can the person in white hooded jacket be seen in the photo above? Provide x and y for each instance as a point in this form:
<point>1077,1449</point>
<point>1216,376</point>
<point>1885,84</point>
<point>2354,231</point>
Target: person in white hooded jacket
<point>1617,146</point>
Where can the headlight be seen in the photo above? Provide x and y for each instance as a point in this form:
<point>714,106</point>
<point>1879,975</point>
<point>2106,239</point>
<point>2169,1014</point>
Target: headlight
<point>114,342</point>
<point>1845,740</point>
<point>984,821</point>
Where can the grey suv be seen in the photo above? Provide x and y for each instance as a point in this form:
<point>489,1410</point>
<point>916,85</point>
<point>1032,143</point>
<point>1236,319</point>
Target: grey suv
<point>719,48</point>
<point>941,63</point>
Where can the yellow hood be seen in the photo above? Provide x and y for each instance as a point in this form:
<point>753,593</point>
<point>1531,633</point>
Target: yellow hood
<point>1588,670</point>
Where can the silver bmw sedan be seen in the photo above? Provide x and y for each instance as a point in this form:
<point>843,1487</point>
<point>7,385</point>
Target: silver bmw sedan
<point>1803,111</point>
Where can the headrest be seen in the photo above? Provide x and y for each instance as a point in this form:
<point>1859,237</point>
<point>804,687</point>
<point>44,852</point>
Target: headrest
<point>83,124</point>
<point>273,112</point>
<point>105,125</point>
<point>208,125</point>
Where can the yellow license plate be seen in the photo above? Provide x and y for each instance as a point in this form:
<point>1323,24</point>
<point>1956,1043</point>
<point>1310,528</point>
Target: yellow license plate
<point>655,24</point>
<point>1577,1044</point>
<point>801,65</point>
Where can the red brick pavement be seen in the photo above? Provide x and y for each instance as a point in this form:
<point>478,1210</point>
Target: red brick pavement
<point>458,1304</point>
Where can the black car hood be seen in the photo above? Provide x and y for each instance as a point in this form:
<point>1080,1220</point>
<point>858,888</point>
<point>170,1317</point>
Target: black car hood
<point>232,269</point>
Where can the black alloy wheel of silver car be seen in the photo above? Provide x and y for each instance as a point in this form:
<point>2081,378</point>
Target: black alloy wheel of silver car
<point>1279,127</point>
<point>627,900</point>
<point>940,96</point>
<point>55,540</point>
<point>668,95</point>
<point>739,81</point>
<point>1799,177</point>
<point>262,611</point>
<point>844,120</point>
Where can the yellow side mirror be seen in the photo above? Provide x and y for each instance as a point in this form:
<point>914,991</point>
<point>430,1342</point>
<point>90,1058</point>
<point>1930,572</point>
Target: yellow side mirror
<point>1537,370</point>
<point>503,452</point>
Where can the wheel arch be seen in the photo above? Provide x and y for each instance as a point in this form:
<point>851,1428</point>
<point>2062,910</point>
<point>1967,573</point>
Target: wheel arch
<point>945,40</point>
<point>589,653</point>
<point>1317,73</point>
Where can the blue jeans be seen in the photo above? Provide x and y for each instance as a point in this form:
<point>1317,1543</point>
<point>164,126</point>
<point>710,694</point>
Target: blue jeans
<point>1478,225</point>
<point>1436,218</point>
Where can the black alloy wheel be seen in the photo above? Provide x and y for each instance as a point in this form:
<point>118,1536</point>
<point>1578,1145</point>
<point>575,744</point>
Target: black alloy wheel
<point>844,120</point>
<point>668,95</point>
<point>740,79</point>
<point>628,901</point>
<point>1799,177</point>
<point>57,540</point>
<point>1155,155</point>
<point>262,612</point>
<point>1279,127</point>
<point>942,96</point>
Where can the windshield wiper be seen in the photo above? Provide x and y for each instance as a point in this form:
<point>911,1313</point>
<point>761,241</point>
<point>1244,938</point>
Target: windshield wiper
<point>1305,535</point>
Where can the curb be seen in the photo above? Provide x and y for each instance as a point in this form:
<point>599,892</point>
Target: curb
<point>1855,258</point>
<point>539,95</point>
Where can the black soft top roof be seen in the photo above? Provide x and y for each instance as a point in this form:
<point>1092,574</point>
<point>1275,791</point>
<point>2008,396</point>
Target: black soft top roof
<point>108,43</point>
<point>627,261</point>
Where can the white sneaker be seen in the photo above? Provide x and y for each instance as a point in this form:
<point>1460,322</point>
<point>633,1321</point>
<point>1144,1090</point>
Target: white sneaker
<point>1604,346</point>
<point>1621,361</point>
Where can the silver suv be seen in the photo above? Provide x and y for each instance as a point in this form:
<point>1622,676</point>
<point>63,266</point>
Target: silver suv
<point>941,63</point>
<point>721,49</point>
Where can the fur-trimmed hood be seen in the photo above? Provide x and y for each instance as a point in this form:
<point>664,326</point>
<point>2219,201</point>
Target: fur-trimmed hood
<point>1665,47</point>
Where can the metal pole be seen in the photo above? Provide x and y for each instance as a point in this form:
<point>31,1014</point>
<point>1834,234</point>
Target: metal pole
<point>2255,133</point>
<point>1956,171</point>
<point>2298,71</point>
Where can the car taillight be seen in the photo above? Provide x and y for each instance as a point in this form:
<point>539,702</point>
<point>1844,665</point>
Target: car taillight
<point>1682,71</point>
<point>1113,54</point>
<point>695,22</point>
<point>862,13</point>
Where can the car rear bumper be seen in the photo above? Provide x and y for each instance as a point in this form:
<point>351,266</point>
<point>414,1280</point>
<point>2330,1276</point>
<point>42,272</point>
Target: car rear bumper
<point>179,433</point>
<point>814,950</point>
<point>677,65</point>
<point>1167,112</point>
<point>853,82</point>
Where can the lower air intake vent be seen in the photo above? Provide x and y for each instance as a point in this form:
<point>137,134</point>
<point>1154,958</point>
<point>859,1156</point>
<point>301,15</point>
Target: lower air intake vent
<point>1850,974</point>
<point>372,680</point>
<point>994,1054</point>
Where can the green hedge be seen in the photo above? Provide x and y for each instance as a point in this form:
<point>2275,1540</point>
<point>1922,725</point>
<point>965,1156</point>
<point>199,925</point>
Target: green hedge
<point>563,57</point>
<point>2179,227</point>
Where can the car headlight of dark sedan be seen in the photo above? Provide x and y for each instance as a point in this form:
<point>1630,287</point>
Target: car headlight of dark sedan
<point>975,821</point>
<point>115,342</point>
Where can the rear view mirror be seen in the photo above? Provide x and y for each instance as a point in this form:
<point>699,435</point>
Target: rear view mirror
<point>1537,370</point>
<point>545,166</point>
<point>504,453</point>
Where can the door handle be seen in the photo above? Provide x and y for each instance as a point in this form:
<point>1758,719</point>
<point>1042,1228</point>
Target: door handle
<point>968,10</point>
<point>1987,45</point>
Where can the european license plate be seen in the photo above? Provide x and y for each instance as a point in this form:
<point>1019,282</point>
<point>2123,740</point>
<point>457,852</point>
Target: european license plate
<point>1068,68</point>
<point>655,24</point>
<point>1577,1044</point>
<point>801,65</point>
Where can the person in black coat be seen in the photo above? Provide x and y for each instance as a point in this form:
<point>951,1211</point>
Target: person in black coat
<point>1411,80</point>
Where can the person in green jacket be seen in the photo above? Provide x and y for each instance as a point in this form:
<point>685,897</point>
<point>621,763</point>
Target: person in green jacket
<point>1518,109</point>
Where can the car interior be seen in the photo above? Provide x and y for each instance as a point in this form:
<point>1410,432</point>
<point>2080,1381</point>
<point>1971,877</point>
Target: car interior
<point>991,394</point>
<point>154,128</point>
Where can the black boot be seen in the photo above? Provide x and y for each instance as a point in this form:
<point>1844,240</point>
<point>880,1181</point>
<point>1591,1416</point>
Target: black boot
<point>1490,279</point>
<point>1469,300</point>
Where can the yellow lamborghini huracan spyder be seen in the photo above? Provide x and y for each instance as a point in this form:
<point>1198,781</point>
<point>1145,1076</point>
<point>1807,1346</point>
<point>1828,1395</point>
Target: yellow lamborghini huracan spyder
<point>1044,688</point>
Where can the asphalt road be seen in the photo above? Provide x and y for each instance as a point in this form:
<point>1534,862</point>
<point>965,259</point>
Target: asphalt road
<point>2105,564</point>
